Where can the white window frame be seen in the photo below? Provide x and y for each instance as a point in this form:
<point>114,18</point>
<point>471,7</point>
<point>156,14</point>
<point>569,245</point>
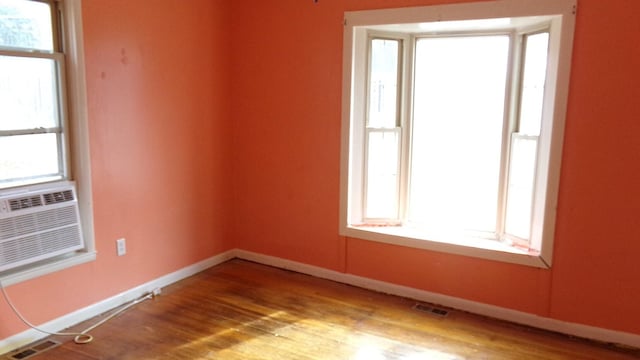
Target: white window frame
<point>561,17</point>
<point>77,137</point>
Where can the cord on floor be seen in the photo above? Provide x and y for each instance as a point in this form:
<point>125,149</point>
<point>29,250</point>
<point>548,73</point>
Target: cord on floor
<point>82,337</point>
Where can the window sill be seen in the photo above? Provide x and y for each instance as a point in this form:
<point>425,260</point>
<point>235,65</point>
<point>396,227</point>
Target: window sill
<point>472,247</point>
<point>47,267</point>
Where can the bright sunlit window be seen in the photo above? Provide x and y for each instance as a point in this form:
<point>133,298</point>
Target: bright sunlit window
<point>452,126</point>
<point>43,125</point>
<point>32,108</point>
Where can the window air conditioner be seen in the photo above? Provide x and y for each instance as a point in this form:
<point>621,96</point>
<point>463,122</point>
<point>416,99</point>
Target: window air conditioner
<point>38,224</point>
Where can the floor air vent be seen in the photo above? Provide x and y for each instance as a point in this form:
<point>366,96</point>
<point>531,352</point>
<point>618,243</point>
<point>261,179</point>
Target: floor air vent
<point>33,350</point>
<point>439,312</point>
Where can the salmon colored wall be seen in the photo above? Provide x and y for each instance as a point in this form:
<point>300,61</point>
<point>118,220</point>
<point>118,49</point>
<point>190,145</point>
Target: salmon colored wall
<point>215,124</point>
<point>286,113</point>
<point>159,110</point>
<point>286,93</point>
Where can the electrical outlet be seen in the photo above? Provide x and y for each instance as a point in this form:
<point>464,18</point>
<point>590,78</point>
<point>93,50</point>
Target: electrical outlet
<point>121,246</point>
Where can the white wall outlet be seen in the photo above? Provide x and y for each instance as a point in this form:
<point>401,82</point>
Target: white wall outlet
<point>121,246</point>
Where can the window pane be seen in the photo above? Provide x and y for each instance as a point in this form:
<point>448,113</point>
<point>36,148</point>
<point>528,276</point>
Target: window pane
<point>457,132</point>
<point>383,84</point>
<point>520,190</point>
<point>28,156</point>
<point>25,24</point>
<point>28,93</point>
<point>535,68</point>
<point>382,175</point>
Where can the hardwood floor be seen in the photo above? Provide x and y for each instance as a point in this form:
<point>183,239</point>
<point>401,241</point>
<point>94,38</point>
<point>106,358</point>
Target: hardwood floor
<point>243,310</point>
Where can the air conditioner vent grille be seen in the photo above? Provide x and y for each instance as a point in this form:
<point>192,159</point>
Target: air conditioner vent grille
<point>58,197</point>
<point>25,202</point>
<point>38,225</point>
<point>39,221</point>
<point>47,243</point>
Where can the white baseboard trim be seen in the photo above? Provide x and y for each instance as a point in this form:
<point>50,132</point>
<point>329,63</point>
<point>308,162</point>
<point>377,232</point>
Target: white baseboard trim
<point>29,336</point>
<point>574,329</point>
<point>61,323</point>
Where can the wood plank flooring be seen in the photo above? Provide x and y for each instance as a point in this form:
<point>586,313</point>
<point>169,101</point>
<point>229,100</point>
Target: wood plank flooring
<point>242,310</point>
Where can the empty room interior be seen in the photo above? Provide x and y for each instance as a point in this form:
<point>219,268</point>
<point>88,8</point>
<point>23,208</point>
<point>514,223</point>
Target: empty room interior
<point>225,150</point>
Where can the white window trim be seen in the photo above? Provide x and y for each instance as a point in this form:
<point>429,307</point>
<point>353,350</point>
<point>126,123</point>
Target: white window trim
<point>78,128</point>
<point>551,135</point>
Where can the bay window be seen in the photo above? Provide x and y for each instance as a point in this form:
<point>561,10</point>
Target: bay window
<point>452,126</point>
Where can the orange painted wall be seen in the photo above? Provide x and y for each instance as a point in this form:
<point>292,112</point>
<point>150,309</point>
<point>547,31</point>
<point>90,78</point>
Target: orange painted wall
<point>159,110</point>
<point>286,92</point>
<point>215,124</point>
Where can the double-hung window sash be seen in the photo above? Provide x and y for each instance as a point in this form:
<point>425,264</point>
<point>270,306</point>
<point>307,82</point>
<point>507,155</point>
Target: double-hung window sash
<point>32,101</point>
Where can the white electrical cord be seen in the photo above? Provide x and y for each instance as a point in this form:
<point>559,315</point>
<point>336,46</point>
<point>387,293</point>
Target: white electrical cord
<point>79,337</point>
